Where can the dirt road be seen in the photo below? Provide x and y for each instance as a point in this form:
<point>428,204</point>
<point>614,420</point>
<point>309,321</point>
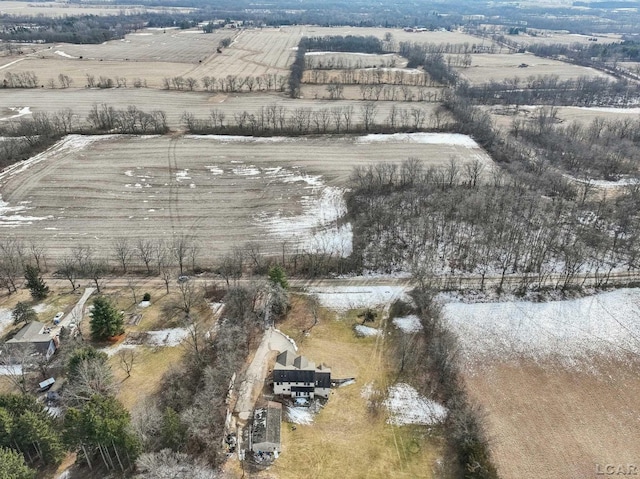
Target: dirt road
<point>273,340</point>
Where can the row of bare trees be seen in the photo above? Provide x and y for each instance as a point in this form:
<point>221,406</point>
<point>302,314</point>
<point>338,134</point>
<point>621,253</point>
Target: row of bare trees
<point>229,83</point>
<point>299,121</point>
<point>130,120</point>
<point>370,76</point>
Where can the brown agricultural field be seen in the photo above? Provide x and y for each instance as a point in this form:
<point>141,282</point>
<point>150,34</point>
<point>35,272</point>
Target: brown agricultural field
<point>152,55</point>
<point>504,116</point>
<point>498,67</point>
<point>552,37</point>
<point>200,104</point>
<point>91,190</point>
<point>546,421</point>
<point>438,37</point>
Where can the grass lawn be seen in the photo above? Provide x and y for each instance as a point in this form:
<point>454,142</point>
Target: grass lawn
<point>147,372</point>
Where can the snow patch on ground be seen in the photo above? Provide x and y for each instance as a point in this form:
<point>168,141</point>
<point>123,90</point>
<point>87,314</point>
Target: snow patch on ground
<point>12,370</point>
<point>408,324</point>
<point>167,337</point>
<point>602,109</point>
<point>406,406</point>
<point>19,111</point>
<point>299,415</point>
<point>65,55</point>
<point>455,139</point>
<point>40,307</point>
<point>316,229</point>
<point>183,175</point>
<point>342,298</point>
<point>10,217</point>
<point>214,170</point>
<point>242,139</point>
<point>605,183</point>
<point>164,337</point>
<point>69,144</point>
<point>572,331</point>
<point>242,170</point>
<point>5,318</point>
<point>319,54</point>
<point>366,331</point>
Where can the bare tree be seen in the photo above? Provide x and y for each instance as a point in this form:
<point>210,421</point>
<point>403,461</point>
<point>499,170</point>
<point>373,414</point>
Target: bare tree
<point>180,246</point>
<point>69,270</point>
<point>230,266</point>
<point>127,358</point>
<point>16,360</point>
<point>474,171</point>
<point>11,263</point>
<point>122,252</point>
<point>91,377</point>
<point>368,112</point>
<point>96,270</point>
<point>144,251</point>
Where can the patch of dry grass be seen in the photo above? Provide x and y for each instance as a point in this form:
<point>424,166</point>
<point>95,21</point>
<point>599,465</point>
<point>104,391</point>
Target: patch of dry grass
<point>147,373</point>
<point>346,439</point>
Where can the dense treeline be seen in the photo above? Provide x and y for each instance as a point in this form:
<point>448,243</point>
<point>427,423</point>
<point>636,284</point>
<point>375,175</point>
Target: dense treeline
<point>550,90</point>
<point>297,70</point>
<point>606,149</point>
<point>420,55</point>
<point>190,413</point>
<point>338,43</point>
<point>454,220</point>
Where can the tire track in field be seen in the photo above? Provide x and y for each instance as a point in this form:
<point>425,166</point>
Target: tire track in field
<point>172,164</point>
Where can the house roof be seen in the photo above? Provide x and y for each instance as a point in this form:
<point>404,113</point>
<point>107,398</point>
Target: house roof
<point>298,369</point>
<point>287,360</point>
<point>31,333</point>
<point>266,424</point>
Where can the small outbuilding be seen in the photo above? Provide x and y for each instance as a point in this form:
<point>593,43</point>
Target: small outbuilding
<point>265,432</point>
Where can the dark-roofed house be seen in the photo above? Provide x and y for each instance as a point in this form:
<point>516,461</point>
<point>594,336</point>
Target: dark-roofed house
<point>298,377</point>
<point>32,334</point>
<point>265,434</point>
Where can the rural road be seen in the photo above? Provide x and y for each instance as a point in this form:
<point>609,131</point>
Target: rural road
<point>446,283</point>
<point>272,340</point>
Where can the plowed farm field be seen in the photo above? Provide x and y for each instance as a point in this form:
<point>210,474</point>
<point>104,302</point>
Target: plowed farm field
<point>154,54</point>
<point>223,191</point>
<point>503,66</point>
<point>200,104</point>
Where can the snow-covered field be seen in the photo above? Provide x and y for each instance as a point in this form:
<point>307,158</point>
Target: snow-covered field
<point>342,298</point>
<point>570,331</point>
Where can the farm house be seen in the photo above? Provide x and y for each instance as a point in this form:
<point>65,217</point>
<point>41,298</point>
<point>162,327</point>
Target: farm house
<point>33,334</point>
<point>298,377</point>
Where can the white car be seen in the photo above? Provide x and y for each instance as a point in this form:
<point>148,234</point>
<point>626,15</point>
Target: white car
<point>58,317</point>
